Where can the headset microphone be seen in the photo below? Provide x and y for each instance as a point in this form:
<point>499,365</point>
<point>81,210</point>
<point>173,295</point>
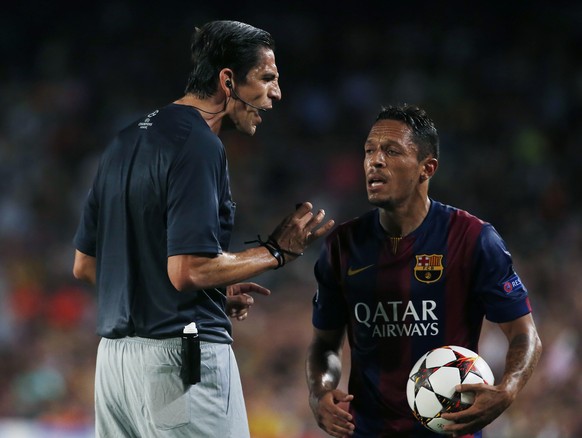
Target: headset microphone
<point>228,84</point>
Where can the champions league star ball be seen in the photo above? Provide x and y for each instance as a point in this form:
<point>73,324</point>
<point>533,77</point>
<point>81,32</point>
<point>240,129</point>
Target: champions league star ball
<point>431,383</point>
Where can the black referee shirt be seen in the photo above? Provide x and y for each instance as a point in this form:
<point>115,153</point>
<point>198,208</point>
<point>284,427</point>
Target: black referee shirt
<point>162,188</point>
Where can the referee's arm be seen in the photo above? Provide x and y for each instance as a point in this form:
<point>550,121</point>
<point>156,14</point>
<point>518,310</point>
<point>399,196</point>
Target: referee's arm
<point>85,267</point>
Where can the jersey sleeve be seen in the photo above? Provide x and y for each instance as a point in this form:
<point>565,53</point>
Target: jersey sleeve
<point>85,239</point>
<point>500,289</point>
<point>194,181</point>
<point>329,305</point>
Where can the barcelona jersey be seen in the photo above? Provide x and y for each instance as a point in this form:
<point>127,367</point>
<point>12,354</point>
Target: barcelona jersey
<point>399,298</point>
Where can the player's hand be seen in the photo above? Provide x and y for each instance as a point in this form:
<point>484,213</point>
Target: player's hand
<point>330,416</point>
<point>298,230</point>
<point>490,402</point>
<point>238,300</point>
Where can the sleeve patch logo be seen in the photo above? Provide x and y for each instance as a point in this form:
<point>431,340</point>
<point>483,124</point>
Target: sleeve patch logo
<point>514,283</point>
<point>429,268</point>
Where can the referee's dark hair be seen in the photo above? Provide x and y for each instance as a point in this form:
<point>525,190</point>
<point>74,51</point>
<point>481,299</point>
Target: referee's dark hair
<point>224,44</point>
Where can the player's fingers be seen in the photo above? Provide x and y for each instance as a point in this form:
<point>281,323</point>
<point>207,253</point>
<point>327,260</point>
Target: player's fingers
<point>340,396</point>
<point>469,387</point>
<point>331,431</point>
<point>337,428</point>
<point>336,421</point>
<point>344,416</point>
<point>342,428</point>
<point>461,429</point>
<point>451,417</point>
<point>349,398</point>
<point>341,414</point>
<point>462,420</point>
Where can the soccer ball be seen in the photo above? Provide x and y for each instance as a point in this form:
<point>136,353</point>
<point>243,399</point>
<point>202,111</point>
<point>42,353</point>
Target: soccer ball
<point>431,383</point>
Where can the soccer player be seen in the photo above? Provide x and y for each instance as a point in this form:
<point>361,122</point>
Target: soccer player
<point>154,238</point>
<point>411,275</point>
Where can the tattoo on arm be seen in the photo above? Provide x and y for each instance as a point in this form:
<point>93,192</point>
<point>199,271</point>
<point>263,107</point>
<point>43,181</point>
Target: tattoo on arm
<point>522,357</point>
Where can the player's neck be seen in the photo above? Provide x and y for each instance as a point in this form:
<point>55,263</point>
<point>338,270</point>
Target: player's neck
<point>402,220</point>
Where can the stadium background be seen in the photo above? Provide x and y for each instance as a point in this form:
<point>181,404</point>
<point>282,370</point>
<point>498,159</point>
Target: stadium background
<point>503,83</point>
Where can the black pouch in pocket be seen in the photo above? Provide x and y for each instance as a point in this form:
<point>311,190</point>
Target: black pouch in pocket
<point>190,358</point>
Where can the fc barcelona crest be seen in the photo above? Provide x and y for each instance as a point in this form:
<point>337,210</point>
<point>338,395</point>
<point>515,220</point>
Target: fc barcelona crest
<point>429,268</point>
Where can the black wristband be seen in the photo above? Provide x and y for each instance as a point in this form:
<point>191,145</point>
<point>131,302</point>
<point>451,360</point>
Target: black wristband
<point>273,248</point>
<point>275,252</point>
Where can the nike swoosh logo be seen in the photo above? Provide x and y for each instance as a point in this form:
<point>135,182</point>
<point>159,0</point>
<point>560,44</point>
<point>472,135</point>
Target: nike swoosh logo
<point>352,271</point>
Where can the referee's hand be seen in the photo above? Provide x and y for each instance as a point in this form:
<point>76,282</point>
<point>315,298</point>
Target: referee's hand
<point>301,228</point>
<point>238,300</point>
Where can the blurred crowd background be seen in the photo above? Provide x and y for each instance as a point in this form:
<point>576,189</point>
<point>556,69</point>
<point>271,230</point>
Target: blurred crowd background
<point>503,83</point>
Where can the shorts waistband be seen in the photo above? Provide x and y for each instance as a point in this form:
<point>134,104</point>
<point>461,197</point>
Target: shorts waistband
<point>161,343</point>
<point>166,342</point>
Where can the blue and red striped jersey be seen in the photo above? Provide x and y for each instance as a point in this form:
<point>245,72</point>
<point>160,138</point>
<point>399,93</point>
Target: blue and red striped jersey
<point>399,299</point>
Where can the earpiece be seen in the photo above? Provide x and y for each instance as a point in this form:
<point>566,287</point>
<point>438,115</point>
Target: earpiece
<point>228,84</point>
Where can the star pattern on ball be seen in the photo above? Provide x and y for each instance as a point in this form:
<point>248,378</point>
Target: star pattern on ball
<point>465,365</point>
<point>421,377</point>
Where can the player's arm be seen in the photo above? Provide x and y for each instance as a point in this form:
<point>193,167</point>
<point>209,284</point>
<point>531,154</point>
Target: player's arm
<point>85,267</point>
<point>293,235</point>
<point>523,354</point>
<point>323,372</point>
<point>491,401</point>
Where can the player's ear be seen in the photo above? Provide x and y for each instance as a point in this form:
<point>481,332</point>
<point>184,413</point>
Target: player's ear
<point>429,168</point>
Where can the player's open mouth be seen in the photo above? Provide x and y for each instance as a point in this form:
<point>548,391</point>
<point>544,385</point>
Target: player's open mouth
<point>376,181</point>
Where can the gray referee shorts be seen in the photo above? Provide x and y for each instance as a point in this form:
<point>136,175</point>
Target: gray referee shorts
<point>139,391</point>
